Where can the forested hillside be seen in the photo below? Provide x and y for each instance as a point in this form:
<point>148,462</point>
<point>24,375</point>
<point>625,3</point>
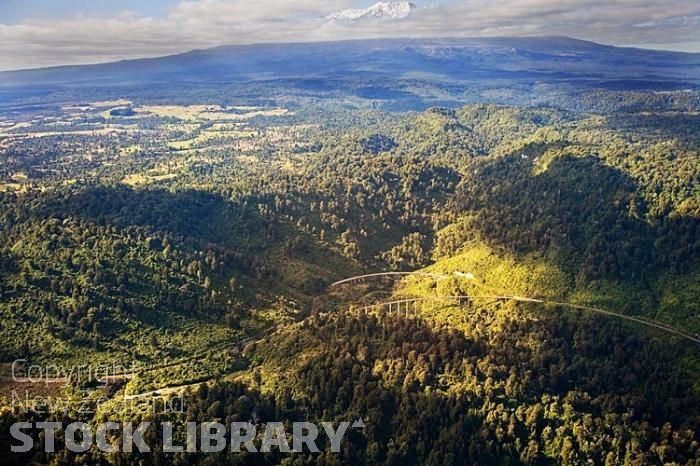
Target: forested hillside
<point>169,256</point>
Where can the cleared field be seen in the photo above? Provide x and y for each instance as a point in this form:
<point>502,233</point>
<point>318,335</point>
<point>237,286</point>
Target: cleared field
<point>111,103</point>
<point>12,187</point>
<point>209,112</point>
<point>5,129</point>
<point>140,179</point>
<point>88,132</point>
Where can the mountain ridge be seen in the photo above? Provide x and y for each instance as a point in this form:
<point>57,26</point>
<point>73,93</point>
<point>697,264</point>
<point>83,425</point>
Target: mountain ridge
<point>388,73</point>
<point>398,40</point>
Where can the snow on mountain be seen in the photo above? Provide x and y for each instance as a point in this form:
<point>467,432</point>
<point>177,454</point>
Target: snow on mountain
<point>381,11</point>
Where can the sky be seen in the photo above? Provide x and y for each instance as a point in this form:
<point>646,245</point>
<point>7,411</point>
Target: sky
<point>37,33</point>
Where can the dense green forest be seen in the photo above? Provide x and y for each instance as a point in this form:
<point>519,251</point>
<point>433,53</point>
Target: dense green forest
<point>239,249</point>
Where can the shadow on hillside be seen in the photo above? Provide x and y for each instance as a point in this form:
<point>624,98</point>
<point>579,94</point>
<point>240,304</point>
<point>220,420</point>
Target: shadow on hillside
<point>658,125</point>
<point>247,244</point>
<point>581,214</point>
<point>399,368</point>
<point>191,214</point>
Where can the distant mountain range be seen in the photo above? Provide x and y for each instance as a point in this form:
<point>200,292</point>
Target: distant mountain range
<point>394,74</point>
<point>378,11</point>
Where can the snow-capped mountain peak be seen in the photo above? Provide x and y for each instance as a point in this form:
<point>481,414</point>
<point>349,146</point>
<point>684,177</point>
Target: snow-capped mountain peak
<point>381,11</point>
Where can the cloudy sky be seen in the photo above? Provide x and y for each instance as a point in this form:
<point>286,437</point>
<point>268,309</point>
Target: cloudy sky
<point>36,33</point>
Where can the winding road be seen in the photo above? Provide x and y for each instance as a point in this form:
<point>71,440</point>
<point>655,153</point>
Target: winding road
<point>582,307</point>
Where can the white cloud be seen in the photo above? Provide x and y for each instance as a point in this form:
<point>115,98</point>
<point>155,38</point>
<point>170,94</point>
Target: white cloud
<point>206,23</point>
